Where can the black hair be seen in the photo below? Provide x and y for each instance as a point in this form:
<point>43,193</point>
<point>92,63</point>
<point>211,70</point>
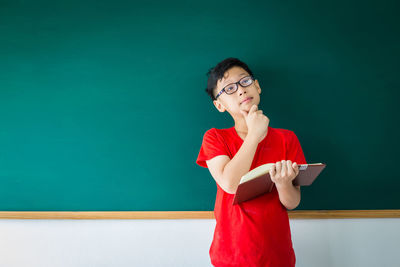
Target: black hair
<point>217,73</point>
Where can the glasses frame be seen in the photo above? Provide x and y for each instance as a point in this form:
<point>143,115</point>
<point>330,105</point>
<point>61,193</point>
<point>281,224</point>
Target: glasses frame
<point>237,86</point>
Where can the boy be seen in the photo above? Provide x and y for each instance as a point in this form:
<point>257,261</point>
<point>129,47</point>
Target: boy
<point>255,232</point>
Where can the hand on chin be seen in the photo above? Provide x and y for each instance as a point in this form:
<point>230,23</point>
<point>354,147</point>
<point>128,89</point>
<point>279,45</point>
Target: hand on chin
<point>246,108</point>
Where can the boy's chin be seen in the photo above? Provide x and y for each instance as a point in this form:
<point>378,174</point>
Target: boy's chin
<point>245,108</point>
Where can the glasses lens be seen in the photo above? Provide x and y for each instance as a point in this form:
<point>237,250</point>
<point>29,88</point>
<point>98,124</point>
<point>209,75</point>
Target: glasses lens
<point>230,89</point>
<point>246,81</point>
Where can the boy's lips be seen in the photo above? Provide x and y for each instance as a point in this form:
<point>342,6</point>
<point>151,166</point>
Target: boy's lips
<point>246,100</point>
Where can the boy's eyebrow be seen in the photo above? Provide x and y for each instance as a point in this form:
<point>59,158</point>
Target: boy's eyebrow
<point>244,73</point>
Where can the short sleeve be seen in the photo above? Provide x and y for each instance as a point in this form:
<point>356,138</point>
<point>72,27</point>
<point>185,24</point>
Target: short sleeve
<point>213,145</point>
<point>294,150</point>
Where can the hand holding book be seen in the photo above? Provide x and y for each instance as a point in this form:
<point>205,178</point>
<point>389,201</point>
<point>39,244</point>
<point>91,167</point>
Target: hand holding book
<point>258,181</point>
<point>283,172</point>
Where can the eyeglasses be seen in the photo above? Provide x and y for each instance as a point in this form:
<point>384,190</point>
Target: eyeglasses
<point>232,87</point>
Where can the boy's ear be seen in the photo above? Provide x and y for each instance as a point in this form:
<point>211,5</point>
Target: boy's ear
<point>257,86</point>
<point>219,106</point>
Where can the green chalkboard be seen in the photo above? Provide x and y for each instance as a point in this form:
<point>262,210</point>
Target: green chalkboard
<point>103,108</point>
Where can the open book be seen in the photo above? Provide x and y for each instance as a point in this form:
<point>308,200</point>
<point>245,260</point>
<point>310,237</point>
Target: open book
<point>258,181</point>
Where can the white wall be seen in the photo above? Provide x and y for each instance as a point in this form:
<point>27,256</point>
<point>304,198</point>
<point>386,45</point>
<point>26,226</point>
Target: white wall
<point>56,243</point>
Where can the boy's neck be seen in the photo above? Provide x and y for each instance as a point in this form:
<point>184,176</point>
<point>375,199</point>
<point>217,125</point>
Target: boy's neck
<point>241,126</point>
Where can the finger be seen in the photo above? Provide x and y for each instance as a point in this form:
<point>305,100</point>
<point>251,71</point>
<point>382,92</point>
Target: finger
<point>289,164</point>
<point>284,168</point>
<point>253,108</point>
<point>272,171</point>
<point>259,111</point>
<point>296,168</point>
<point>289,167</point>
<point>278,167</point>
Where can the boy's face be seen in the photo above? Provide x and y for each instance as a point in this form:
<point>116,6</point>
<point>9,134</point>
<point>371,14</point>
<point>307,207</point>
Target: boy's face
<point>234,103</point>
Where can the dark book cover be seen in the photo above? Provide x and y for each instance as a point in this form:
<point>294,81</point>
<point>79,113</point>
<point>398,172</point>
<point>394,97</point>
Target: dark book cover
<point>262,183</point>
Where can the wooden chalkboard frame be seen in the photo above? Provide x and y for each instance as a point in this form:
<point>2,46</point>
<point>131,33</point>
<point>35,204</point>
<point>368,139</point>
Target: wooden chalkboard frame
<point>157,215</point>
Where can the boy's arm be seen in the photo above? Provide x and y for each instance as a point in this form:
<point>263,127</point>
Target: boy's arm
<point>226,172</point>
<point>282,174</point>
<point>289,196</point>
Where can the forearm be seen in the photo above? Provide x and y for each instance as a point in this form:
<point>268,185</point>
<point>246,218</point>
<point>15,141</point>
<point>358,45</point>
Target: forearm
<point>289,195</point>
<point>240,164</point>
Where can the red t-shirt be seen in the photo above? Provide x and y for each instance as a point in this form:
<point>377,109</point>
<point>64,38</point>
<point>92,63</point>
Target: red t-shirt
<point>255,232</point>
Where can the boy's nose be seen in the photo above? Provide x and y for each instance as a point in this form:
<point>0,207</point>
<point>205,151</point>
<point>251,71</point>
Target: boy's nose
<point>241,90</point>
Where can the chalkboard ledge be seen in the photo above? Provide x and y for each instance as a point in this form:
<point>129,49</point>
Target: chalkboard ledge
<point>156,215</point>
